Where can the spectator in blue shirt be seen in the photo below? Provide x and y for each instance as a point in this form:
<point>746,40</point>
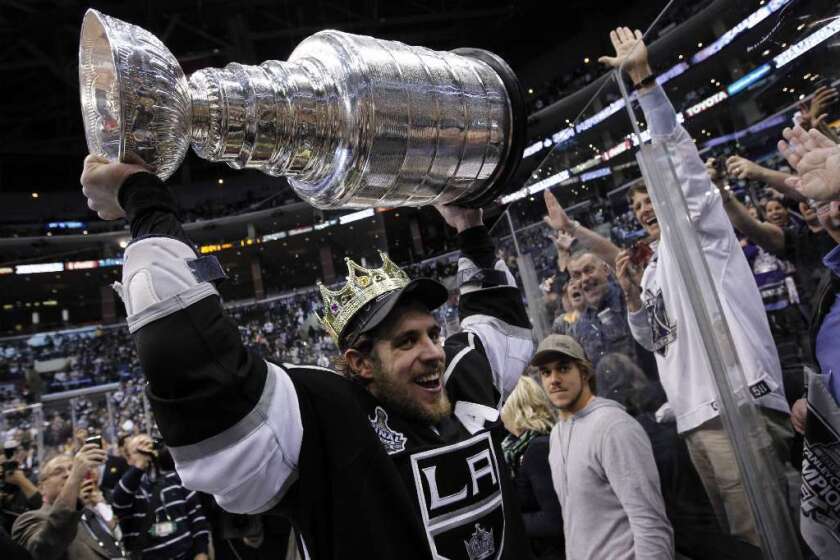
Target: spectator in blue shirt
<point>159,518</point>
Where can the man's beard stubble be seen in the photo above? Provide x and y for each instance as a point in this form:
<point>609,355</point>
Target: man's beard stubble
<point>396,397</point>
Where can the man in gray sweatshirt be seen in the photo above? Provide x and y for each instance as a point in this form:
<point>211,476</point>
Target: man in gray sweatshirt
<point>602,465</point>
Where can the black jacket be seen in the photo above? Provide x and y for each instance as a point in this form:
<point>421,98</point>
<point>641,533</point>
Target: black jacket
<point>540,507</point>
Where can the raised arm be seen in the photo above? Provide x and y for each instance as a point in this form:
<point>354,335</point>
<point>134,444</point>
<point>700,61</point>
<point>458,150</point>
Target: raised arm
<point>767,236</point>
<point>484,361</point>
<point>742,168</point>
<point>225,414</point>
<point>558,220</point>
<point>632,57</point>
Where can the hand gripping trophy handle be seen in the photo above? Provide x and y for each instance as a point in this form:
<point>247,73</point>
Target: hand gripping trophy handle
<point>350,120</point>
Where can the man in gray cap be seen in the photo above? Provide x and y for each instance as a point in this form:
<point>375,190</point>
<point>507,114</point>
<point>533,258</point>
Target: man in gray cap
<point>601,464</point>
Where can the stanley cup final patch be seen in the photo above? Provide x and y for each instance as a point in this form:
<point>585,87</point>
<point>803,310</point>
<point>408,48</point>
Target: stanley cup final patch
<point>460,496</point>
<point>392,440</point>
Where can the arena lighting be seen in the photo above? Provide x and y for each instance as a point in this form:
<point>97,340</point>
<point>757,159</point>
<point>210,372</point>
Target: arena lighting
<point>550,181</point>
<point>65,225</point>
<point>757,127</point>
<point>81,265</point>
<point>307,229</point>
<point>807,43</point>
<point>748,79</point>
<point>6,270</point>
<point>274,236</point>
<point>533,149</point>
<point>355,216</point>
<point>601,115</point>
<point>39,268</point>
<point>512,197</point>
<point>213,248</point>
<point>671,73</point>
<point>619,148</point>
<point>581,167</point>
<point>602,172</point>
<point>325,224</point>
<point>707,103</point>
<point>751,21</point>
<point>563,135</point>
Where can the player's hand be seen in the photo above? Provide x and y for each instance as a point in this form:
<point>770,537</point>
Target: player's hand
<point>459,217</point>
<point>101,181</point>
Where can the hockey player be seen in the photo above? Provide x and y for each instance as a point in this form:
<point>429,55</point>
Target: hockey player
<point>399,458</point>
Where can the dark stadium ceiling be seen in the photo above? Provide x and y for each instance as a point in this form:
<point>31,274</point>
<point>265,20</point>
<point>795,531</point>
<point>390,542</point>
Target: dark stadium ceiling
<point>41,137</point>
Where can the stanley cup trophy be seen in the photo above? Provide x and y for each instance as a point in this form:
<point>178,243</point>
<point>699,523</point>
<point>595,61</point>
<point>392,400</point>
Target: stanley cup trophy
<point>350,120</point>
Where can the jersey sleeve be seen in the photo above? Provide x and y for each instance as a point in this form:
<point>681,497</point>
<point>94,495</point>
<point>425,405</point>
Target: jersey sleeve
<point>485,360</point>
<point>702,198</point>
<point>231,420</point>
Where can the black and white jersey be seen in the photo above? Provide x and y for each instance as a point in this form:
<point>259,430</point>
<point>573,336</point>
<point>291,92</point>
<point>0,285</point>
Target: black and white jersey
<point>354,478</point>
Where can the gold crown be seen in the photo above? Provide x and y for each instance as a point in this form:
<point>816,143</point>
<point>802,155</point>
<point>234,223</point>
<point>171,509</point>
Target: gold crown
<point>363,285</point>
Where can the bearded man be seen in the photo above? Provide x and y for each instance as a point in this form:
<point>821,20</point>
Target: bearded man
<point>398,458</point>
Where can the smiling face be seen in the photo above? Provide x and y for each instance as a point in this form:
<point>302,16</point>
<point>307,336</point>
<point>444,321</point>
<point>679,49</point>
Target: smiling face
<point>592,275</point>
<point>776,213</point>
<point>566,384</point>
<point>404,370</point>
<point>643,210</point>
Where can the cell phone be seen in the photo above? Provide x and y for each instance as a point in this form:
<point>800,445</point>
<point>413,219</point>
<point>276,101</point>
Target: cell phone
<point>720,165</point>
<point>640,254</point>
<point>96,440</point>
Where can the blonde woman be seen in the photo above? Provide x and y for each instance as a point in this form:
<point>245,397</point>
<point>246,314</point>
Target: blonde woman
<point>529,416</point>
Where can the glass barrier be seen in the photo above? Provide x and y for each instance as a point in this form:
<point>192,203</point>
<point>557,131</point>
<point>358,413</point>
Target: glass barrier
<point>22,431</point>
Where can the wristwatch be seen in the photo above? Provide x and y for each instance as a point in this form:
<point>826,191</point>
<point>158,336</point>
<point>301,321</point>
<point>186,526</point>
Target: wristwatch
<point>647,81</point>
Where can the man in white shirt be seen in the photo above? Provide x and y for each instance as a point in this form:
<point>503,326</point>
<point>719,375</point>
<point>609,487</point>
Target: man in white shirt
<point>661,317</point>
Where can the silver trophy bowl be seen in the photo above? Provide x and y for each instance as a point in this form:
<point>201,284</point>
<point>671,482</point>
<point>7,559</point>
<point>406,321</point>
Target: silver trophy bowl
<point>135,98</point>
<point>350,120</point>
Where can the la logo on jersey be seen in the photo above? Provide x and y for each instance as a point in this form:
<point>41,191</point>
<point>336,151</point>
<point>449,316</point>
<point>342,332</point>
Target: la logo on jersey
<point>460,495</point>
